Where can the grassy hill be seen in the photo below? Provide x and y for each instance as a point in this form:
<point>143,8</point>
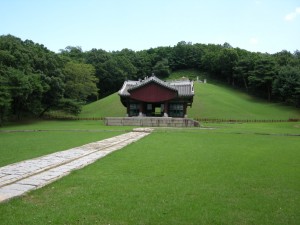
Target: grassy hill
<point>217,101</point>
<point>210,101</point>
<point>109,106</point>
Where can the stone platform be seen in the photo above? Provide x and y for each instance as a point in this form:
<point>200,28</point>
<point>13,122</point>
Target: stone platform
<point>151,122</point>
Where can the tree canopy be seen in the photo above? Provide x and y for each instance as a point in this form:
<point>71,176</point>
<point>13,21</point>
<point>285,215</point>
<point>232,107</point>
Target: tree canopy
<point>34,80</point>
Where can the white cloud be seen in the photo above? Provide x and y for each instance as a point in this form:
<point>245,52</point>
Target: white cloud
<point>291,16</point>
<point>253,41</point>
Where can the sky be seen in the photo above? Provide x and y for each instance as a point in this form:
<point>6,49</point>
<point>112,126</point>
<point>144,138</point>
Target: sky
<point>255,25</point>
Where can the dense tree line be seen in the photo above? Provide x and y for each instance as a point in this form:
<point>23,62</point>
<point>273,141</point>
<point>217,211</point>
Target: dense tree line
<point>35,80</point>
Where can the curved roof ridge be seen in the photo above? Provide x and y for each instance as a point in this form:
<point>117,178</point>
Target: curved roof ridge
<point>127,83</point>
<point>154,79</point>
<point>183,88</point>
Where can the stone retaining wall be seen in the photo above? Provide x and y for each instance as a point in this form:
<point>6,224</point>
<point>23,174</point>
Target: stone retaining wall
<point>150,122</point>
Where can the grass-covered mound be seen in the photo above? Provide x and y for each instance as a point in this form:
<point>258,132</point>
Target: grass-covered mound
<point>109,106</point>
<point>218,101</point>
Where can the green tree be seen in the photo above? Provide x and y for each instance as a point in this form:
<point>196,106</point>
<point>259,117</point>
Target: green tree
<point>227,60</point>
<point>184,56</point>
<point>6,58</point>
<point>143,64</point>
<point>70,106</point>
<point>210,60</point>
<point>80,81</point>
<point>263,75</point>
<point>74,53</point>
<point>97,56</point>
<point>54,89</point>
<point>287,85</point>
<point>25,91</point>
<point>283,58</point>
<point>5,98</point>
<point>111,76</point>
<point>161,68</point>
<point>243,69</point>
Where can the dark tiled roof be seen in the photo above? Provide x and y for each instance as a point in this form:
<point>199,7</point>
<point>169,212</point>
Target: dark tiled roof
<point>155,80</point>
<point>184,88</point>
<point>127,85</point>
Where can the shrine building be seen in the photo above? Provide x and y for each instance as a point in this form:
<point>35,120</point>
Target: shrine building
<point>152,97</point>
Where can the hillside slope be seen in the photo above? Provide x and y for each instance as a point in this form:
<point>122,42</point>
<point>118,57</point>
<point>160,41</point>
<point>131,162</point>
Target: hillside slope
<point>210,101</point>
<point>217,101</point>
<point>109,106</point>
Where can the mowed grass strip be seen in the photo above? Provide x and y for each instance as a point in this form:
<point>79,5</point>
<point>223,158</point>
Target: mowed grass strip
<point>62,125</point>
<point>44,137</point>
<point>175,178</point>
<point>279,128</point>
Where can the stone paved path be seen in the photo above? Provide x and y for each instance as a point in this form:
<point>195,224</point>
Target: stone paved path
<point>19,178</point>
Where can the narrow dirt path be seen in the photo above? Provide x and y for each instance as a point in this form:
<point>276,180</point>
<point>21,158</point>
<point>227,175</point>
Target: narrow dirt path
<point>19,178</point>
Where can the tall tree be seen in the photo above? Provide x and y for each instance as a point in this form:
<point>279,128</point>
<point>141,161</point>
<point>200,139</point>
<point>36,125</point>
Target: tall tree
<point>5,97</point>
<point>210,59</point>
<point>26,92</point>
<point>161,68</point>
<point>54,89</point>
<point>143,64</point>
<point>243,69</point>
<point>74,53</point>
<point>227,59</point>
<point>283,58</point>
<point>263,75</point>
<point>287,85</point>
<point>80,81</point>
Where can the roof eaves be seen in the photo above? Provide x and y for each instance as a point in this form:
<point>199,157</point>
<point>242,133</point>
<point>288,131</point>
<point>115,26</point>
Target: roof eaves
<point>124,90</point>
<point>153,79</point>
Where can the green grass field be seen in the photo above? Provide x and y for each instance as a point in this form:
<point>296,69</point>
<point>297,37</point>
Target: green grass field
<point>232,174</point>
<point>29,140</point>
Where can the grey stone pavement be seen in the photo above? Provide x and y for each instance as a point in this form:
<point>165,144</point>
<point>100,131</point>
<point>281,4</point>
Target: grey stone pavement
<point>18,178</point>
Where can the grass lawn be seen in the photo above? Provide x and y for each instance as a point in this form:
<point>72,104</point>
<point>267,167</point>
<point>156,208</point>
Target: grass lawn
<point>181,176</point>
<point>283,129</point>
<point>44,137</point>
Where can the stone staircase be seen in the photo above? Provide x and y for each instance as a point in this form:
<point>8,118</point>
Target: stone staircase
<point>151,122</point>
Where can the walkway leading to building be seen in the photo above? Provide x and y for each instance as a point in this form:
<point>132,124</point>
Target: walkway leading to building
<point>19,178</point>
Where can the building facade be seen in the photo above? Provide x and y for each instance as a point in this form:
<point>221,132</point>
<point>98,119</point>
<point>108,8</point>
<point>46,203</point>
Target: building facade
<point>157,98</point>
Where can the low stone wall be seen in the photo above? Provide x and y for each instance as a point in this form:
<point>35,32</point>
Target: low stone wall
<point>150,122</point>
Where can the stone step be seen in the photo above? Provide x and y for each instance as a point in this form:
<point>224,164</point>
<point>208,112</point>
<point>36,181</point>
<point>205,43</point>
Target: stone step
<point>151,122</point>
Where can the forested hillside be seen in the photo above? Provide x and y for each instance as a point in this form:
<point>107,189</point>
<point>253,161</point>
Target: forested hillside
<point>34,80</point>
